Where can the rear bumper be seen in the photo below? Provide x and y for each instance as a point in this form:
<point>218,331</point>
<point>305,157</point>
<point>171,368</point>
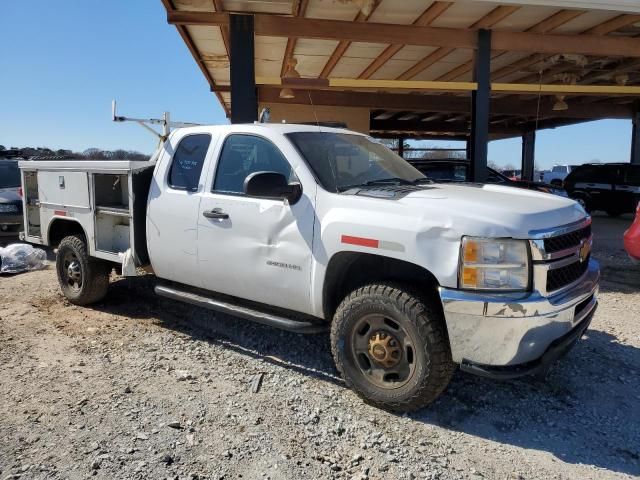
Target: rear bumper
<point>10,224</point>
<point>510,335</point>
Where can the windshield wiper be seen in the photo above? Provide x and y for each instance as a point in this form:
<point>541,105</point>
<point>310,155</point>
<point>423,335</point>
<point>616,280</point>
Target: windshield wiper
<point>392,180</point>
<point>419,181</point>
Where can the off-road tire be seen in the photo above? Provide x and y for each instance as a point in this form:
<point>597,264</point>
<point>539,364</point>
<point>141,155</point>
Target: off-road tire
<point>434,367</point>
<point>95,272</point>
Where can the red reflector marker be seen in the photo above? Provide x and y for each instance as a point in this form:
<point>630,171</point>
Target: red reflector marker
<point>361,241</point>
<point>62,213</point>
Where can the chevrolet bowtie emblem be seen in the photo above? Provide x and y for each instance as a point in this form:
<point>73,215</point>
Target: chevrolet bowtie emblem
<point>585,249</point>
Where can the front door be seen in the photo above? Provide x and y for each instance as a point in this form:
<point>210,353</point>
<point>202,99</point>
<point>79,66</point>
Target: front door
<point>258,248</point>
<point>173,207</point>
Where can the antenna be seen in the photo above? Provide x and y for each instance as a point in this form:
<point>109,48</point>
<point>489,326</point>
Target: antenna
<point>165,121</point>
<point>313,107</point>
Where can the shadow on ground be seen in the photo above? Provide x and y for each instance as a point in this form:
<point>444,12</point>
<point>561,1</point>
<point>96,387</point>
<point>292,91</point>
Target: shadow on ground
<point>585,412</point>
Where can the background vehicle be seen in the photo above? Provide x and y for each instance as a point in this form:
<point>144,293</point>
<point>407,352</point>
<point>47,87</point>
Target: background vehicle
<point>10,200</point>
<point>514,175</point>
<point>309,228</point>
<point>557,174</point>
<point>455,170</point>
<point>611,187</point>
<point>632,238</point>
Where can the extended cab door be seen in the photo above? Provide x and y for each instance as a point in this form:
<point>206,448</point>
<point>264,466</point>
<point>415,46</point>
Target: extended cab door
<point>173,206</point>
<point>258,249</point>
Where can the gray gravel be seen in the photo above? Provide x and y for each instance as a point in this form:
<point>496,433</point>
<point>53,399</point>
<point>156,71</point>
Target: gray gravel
<point>142,387</point>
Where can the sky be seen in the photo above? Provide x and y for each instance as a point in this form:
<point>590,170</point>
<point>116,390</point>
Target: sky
<point>63,62</point>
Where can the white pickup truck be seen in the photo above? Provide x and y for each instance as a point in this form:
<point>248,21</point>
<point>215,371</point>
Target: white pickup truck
<point>309,228</point>
<point>557,174</point>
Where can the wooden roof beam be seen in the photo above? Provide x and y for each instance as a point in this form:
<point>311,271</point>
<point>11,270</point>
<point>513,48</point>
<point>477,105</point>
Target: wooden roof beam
<point>299,9</point>
<point>548,24</point>
<point>594,33</point>
<point>426,18</point>
<point>443,104</point>
<point>493,17</point>
<point>280,26</point>
<point>186,38</point>
<point>343,45</point>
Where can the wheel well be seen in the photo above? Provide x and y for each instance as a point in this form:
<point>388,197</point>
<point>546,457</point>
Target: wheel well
<point>61,228</point>
<point>348,271</point>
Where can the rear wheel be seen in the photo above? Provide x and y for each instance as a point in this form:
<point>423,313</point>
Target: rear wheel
<point>83,279</point>
<point>391,347</point>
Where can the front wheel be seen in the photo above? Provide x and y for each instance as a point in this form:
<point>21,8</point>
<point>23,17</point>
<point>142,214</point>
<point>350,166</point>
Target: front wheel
<point>391,347</point>
<point>83,279</point>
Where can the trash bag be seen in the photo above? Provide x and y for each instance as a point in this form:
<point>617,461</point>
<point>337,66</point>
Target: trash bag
<point>21,257</point>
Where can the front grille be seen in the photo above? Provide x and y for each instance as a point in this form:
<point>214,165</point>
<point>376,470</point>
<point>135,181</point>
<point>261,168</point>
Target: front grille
<point>566,241</point>
<point>561,277</point>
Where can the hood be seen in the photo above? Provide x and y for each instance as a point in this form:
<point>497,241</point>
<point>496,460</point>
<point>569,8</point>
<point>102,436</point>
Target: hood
<point>493,210</point>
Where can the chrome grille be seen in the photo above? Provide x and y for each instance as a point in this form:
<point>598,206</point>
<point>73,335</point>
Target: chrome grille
<point>563,276</point>
<point>560,256</point>
<point>566,241</point>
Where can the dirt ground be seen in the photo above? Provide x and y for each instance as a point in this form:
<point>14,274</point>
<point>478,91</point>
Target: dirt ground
<point>142,387</point>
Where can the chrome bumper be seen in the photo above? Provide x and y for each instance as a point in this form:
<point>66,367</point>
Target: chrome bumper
<point>514,329</point>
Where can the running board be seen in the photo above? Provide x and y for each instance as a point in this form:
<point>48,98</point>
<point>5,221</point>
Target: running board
<point>273,320</point>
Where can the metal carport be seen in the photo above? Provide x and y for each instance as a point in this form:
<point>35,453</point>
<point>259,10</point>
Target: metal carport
<point>469,70</point>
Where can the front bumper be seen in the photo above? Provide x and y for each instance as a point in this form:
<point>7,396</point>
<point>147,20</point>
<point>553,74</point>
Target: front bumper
<point>509,335</point>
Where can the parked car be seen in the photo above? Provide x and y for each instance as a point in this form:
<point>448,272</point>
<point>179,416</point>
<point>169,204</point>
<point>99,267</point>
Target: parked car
<point>557,174</point>
<point>456,170</point>
<point>632,238</point>
<point>10,200</point>
<point>610,187</point>
<point>310,229</point>
<point>514,175</point>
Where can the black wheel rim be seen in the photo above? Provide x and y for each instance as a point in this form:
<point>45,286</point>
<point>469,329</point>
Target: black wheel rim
<point>383,351</point>
<point>72,271</point>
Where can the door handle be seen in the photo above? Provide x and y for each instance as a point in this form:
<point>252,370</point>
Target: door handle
<point>215,213</point>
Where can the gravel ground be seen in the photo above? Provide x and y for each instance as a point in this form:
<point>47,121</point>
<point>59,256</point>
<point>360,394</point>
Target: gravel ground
<point>142,387</point>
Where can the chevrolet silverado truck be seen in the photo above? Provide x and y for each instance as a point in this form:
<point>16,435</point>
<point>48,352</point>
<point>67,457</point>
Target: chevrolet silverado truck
<point>310,229</point>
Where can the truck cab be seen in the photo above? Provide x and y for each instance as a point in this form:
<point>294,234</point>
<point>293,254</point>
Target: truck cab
<point>311,228</point>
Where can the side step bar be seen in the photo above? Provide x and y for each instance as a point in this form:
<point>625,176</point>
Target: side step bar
<point>273,320</point>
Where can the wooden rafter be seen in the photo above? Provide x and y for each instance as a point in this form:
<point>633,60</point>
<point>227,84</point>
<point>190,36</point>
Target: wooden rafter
<point>490,19</point>
<point>446,104</point>
<point>425,19</point>
<point>343,45</point>
<point>314,28</point>
<point>299,9</point>
<point>599,30</point>
<point>186,38</point>
<point>547,25</point>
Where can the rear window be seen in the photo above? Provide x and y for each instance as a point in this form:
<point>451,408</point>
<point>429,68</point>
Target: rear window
<point>9,174</point>
<point>186,166</point>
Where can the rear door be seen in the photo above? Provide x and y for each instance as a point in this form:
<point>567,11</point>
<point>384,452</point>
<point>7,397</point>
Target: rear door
<point>628,191</point>
<point>173,206</point>
<point>260,248</point>
<point>594,181</point>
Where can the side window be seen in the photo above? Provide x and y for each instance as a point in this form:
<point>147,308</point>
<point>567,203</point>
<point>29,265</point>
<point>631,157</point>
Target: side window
<point>243,155</point>
<point>186,165</point>
<point>584,174</point>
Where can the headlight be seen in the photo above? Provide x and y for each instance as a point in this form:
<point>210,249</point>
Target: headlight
<point>494,264</point>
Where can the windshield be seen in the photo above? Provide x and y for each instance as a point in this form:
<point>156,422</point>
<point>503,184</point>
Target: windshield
<point>9,174</point>
<point>341,161</point>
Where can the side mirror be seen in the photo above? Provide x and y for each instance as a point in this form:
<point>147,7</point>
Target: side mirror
<point>272,185</point>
